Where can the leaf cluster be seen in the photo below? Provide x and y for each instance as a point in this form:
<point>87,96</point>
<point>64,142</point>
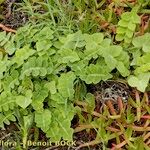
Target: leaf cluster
<point>127,25</point>
<point>40,72</point>
<point>141,62</point>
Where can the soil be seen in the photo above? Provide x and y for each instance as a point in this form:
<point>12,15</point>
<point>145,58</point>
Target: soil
<point>12,17</point>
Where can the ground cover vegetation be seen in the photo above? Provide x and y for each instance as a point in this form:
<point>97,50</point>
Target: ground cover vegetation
<point>75,70</point>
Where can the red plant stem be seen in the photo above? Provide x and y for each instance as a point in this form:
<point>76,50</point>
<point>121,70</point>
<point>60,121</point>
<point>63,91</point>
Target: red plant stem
<point>120,104</point>
<point>118,145</point>
<point>94,113</point>
<point>111,107</point>
<point>145,117</point>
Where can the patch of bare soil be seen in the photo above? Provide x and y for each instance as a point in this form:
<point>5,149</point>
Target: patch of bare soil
<point>12,17</point>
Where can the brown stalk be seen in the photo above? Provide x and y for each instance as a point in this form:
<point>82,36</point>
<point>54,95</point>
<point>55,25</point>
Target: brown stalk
<point>112,129</point>
<point>111,107</point>
<point>83,104</point>
<point>146,136</point>
<point>148,142</point>
<point>137,96</point>
<point>91,143</point>
<point>118,145</point>
<point>120,104</point>
<point>6,28</point>
<point>83,127</point>
<point>146,123</point>
<point>146,97</point>
<point>136,128</point>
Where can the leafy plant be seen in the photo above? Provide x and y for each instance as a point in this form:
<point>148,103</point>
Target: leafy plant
<point>41,78</point>
<point>127,25</point>
<point>47,66</point>
<point>141,63</point>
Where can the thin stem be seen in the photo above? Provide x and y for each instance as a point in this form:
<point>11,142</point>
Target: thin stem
<point>119,145</point>
<point>138,105</point>
<point>91,143</point>
<point>84,127</point>
<point>145,11</point>
<point>146,136</point>
<point>111,107</point>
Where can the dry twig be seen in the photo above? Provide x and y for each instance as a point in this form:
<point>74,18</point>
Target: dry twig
<point>6,28</point>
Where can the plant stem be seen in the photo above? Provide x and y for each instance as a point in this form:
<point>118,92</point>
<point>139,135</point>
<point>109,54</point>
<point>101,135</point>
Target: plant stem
<point>138,105</point>
<point>136,128</point>
<point>119,145</point>
<point>83,127</point>
<point>111,107</point>
<point>91,143</point>
<point>145,11</point>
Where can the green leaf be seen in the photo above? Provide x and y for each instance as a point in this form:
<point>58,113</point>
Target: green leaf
<point>6,117</point>
<point>91,53</point>
<point>57,99</point>
<point>61,124</point>
<point>126,16</point>
<point>11,80</point>
<point>127,25</point>
<point>141,81</point>
<point>143,68</point>
<point>141,60</point>
<point>94,74</point>
<point>142,42</point>
<point>51,86</point>
<point>90,99</point>
<point>78,67</point>
<point>39,95</point>
<point>110,61</point>
<point>43,45</point>
<point>122,69</point>
<point>68,55</point>
<point>28,121</point>
<point>37,66</point>
<point>114,50</point>
<point>136,19</point>
<point>10,47</point>
<point>132,27</point>
<point>23,54</point>
<point>123,23</point>
<point>72,41</point>
<point>45,33</point>
<point>43,119</point>
<point>4,63</point>
<point>7,101</point>
<point>96,37</point>
<point>119,37</point>
<point>65,85</point>
<point>24,101</point>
